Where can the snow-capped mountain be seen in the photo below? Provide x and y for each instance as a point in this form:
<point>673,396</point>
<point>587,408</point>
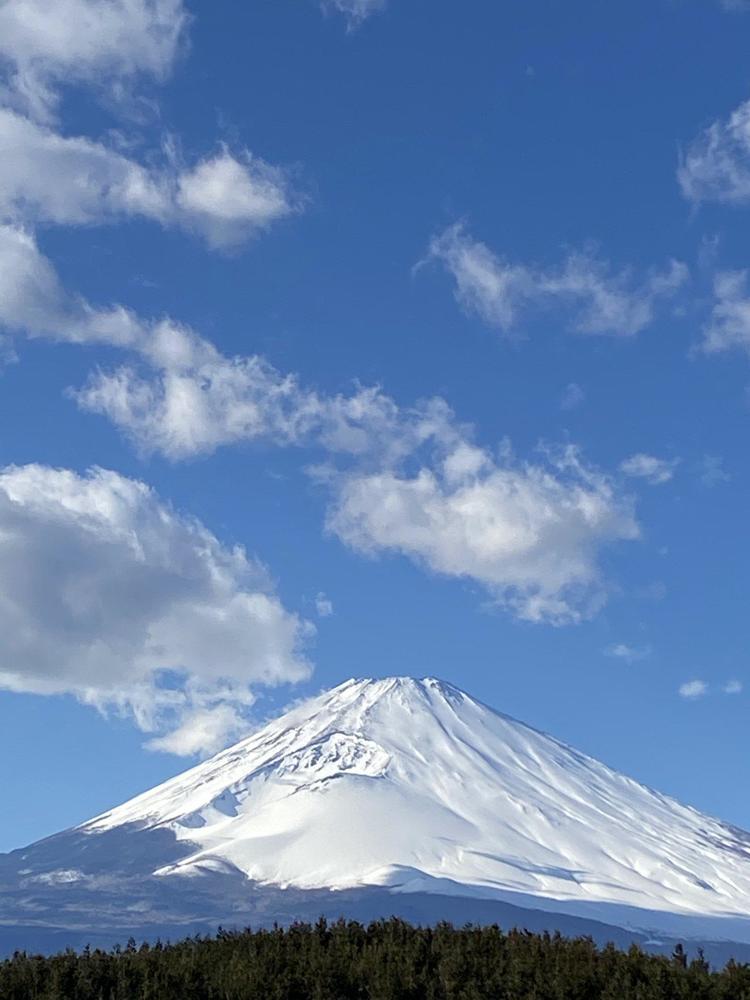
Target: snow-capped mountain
<point>410,787</point>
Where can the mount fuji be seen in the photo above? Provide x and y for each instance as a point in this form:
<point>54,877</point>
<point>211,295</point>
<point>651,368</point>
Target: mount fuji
<point>379,797</point>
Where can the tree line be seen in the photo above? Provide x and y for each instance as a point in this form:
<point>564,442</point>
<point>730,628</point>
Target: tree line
<point>386,960</point>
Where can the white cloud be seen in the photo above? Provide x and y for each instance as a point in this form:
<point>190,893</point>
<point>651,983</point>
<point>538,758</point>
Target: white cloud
<point>46,177</point>
<point>494,289</point>
<point>185,398</point>
<point>189,399</point>
<point>600,301</point>
<point>324,606</point>
<point>716,166</point>
<point>733,687</point>
<point>355,10</point>
<point>655,471</point>
<point>110,595</point>
<point>572,397</point>
<point>202,731</point>
<point>226,199</point>
<point>693,689</point>
<point>199,400</point>
<point>210,401</point>
<point>102,43</point>
<point>192,398</point>
<point>631,654</point>
<point>729,326</point>
<point>33,301</point>
<point>529,534</point>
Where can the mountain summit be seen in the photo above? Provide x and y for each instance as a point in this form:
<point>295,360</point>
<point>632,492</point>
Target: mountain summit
<point>413,787</point>
<point>401,782</point>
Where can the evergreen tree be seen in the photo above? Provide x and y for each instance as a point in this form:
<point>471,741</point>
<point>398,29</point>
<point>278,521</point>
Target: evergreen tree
<point>387,960</point>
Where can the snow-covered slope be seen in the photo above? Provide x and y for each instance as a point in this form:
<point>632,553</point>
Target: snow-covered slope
<point>413,785</point>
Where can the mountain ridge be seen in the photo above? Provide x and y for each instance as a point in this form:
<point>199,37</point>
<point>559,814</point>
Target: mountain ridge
<point>355,733</point>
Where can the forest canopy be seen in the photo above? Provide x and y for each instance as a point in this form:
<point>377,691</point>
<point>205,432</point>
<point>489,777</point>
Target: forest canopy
<point>387,960</point>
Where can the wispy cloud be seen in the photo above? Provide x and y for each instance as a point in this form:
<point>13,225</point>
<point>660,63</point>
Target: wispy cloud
<point>355,11</point>
<point>323,606</point>
<point>599,300</point>
<point>733,687</point>
<point>729,325</point>
<point>630,654</point>
<point>711,471</point>
<point>655,471</point>
<point>716,165</point>
<point>693,689</point>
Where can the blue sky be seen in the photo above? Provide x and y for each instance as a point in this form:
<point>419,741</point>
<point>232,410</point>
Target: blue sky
<point>369,339</point>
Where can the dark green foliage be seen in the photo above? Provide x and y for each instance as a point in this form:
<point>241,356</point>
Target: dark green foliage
<point>388,960</point>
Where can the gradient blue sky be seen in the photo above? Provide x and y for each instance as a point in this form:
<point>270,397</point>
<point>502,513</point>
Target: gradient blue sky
<point>536,212</point>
